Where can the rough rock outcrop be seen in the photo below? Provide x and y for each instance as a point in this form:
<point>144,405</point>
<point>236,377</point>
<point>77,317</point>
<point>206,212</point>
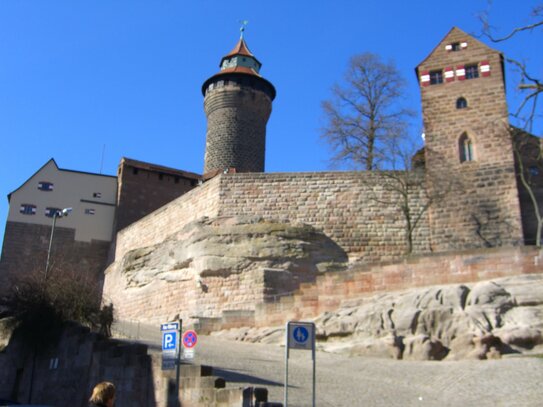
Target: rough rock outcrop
<point>232,245</point>
<point>481,321</point>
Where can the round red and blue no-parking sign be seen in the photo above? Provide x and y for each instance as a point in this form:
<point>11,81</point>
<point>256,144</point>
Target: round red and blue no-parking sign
<point>189,339</point>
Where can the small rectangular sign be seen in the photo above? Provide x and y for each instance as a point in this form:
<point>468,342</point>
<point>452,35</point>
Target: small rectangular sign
<point>187,354</point>
<point>168,363</point>
<point>170,326</point>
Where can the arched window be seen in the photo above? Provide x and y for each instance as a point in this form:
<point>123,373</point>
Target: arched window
<point>465,148</point>
<point>461,103</point>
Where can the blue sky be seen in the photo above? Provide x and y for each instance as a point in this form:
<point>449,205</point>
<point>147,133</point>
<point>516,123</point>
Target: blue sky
<point>123,77</point>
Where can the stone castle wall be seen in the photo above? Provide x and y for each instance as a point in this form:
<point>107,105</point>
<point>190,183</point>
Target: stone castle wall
<point>349,207</point>
<point>355,209</point>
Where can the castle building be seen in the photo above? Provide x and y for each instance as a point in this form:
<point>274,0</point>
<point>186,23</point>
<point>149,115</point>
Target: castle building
<point>101,205</point>
<point>144,187</point>
<point>81,240</point>
<point>470,175</point>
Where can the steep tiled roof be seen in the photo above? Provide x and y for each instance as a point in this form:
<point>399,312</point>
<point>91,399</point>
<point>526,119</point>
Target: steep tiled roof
<point>240,49</point>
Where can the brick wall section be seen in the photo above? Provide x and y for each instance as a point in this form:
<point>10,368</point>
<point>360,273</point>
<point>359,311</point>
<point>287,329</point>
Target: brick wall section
<point>25,251</point>
<point>161,301</point>
<point>142,191</point>
<point>346,206</point>
<point>155,227</point>
<point>236,125</point>
<point>355,209</point>
<point>483,209</point>
<point>332,289</point>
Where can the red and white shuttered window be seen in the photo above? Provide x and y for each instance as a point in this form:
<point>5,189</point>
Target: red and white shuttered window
<point>449,74</point>
<point>460,72</point>
<point>484,67</point>
<point>425,78</point>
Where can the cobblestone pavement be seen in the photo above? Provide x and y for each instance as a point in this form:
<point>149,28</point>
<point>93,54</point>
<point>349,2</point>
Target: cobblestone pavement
<point>362,381</point>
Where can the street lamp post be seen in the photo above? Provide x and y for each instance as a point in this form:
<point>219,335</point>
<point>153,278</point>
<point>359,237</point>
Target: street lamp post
<point>57,214</point>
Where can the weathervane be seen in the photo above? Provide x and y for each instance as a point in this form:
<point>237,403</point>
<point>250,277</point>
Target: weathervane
<point>242,28</point>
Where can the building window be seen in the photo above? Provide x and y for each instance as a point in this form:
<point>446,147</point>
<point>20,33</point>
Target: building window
<point>45,186</point>
<point>436,77</point>
<point>461,103</point>
<point>53,363</point>
<point>135,171</point>
<point>28,209</point>
<point>472,71</point>
<point>465,147</point>
<point>97,195</point>
<point>50,212</point>
<point>89,211</point>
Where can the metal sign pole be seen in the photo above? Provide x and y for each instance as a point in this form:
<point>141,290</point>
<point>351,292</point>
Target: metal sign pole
<point>300,335</point>
<point>178,358</point>
<point>287,348</point>
<point>314,366</point>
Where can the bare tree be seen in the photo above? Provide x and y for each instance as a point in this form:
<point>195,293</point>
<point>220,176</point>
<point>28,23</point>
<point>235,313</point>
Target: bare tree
<point>405,187</point>
<point>364,114</point>
<point>528,149</point>
<point>529,168</point>
<point>531,86</point>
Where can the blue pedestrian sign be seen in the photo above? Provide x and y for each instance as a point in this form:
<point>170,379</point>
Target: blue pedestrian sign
<point>300,335</point>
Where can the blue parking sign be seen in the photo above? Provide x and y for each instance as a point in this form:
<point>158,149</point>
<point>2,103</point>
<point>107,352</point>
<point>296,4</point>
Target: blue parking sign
<point>169,340</point>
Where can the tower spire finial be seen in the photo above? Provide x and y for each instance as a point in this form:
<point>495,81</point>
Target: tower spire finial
<point>242,28</point>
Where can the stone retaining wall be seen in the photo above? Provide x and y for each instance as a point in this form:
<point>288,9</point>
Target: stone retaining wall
<point>330,290</point>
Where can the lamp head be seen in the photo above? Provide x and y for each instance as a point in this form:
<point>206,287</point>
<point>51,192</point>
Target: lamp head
<point>66,211</point>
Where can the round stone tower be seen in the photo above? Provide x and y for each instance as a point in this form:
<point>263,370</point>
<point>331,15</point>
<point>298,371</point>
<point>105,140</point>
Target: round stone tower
<point>238,103</point>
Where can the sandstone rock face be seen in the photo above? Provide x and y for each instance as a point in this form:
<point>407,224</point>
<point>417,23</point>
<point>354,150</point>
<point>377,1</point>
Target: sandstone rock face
<point>482,320</point>
<point>216,265</point>
<point>477,321</point>
<point>232,245</point>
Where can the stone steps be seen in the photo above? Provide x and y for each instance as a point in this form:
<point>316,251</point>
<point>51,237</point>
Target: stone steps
<point>198,386</point>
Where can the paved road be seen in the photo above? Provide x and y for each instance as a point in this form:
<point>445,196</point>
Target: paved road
<point>361,381</point>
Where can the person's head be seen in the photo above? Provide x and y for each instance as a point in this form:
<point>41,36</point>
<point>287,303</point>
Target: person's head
<point>103,393</point>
